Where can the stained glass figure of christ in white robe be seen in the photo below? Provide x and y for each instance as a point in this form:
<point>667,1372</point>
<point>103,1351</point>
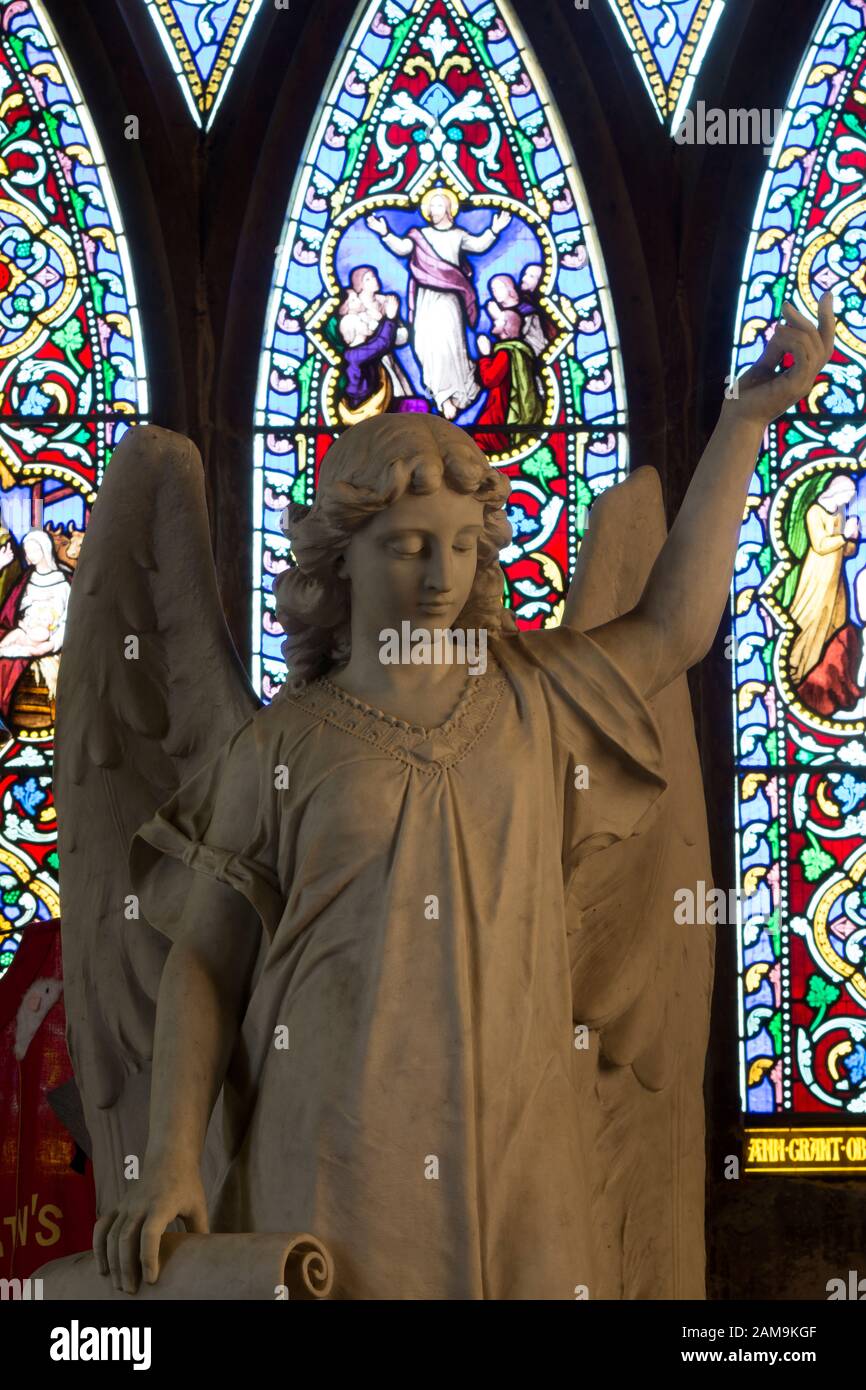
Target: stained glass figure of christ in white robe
<point>442,298</point>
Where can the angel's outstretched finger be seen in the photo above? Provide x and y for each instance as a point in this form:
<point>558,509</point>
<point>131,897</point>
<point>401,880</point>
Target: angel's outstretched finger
<point>824,335</point>
<point>793,316</point>
<point>151,1234</point>
<point>196,1219</point>
<point>128,1245</point>
<point>100,1237</point>
<point>113,1251</point>
<point>827,322</point>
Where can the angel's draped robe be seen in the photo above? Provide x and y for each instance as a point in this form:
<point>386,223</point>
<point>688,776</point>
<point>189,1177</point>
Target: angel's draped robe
<point>429,1119</point>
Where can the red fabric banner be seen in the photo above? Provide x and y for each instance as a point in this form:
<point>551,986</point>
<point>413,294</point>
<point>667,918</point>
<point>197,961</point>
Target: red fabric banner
<point>47,1206</point>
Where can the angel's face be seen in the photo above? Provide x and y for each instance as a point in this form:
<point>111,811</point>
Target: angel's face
<point>415,560</point>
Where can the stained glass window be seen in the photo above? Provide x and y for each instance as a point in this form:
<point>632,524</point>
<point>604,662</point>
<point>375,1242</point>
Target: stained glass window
<point>669,39</point>
<point>799,610</point>
<point>203,40</point>
<point>438,255</point>
<point>71,379</point>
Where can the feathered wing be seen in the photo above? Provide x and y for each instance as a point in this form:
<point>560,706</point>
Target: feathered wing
<point>653,1018</point>
<point>150,689</point>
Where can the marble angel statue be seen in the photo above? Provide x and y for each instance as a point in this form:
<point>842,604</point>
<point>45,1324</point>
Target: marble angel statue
<point>393,959</point>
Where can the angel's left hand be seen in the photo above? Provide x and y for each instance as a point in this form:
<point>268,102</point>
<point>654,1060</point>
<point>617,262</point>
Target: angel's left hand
<point>762,393</point>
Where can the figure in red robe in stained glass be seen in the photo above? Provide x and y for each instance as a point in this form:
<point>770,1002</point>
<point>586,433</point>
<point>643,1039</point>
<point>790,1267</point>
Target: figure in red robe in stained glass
<point>505,292</point>
<point>507,370</point>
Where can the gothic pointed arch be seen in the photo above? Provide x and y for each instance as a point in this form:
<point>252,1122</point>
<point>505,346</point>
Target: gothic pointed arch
<point>72,380</point>
<point>669,41</point>
<point>439,254</point>
<point>799,621</point>
<point>203,43</point>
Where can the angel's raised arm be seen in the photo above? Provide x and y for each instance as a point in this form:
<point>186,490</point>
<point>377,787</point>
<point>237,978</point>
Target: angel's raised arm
<point>674,622</point>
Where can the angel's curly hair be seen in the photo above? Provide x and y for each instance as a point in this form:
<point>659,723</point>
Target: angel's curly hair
<point>367,469</point>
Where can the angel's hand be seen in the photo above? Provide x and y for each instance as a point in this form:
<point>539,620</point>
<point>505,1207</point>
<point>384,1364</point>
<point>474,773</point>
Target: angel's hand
<point>762,393</point>
<point>500,221</point>
<point>126,1240</point>
<point>377,224</point>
